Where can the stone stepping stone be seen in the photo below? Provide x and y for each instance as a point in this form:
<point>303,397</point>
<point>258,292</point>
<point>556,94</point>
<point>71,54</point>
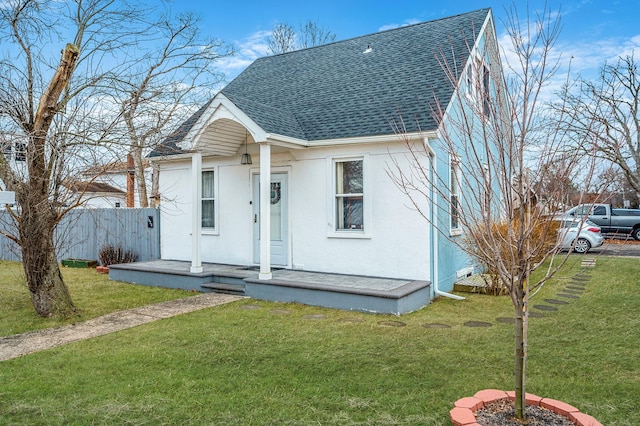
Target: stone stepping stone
<point>545,308</point>
<point>315,317</point>
<point>478,324</point>
<point>506,320</point>
<point>573,287</point>
<point>580,279</point>
<point>250,307</point>
<point>568,296</point>
<point>571,291</point>
<point>351,320</point>
<point>436,325</point>
<point>556,301</point>
<point>533,314</point>
<point>392,323</point>
<point>280,311</point>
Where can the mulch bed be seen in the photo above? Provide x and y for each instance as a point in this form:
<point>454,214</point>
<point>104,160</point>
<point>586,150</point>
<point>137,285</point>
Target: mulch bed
<point>502,413</point>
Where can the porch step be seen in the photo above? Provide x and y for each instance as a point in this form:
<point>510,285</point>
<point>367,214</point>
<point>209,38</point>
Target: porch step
<point>237,289</point>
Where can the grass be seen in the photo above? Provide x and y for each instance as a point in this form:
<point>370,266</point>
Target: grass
<point>92,293</point>
<point>230,365</point>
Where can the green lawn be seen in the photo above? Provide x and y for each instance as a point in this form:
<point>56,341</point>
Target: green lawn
<point>230,365</point>
<point>92,293</point>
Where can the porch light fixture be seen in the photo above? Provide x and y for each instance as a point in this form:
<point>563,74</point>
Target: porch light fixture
<point>246,157</point>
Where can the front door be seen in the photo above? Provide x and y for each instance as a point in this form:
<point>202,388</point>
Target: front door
<point>279,220</point>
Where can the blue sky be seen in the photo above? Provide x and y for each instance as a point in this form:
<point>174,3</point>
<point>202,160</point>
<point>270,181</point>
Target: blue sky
<point>594,30</point>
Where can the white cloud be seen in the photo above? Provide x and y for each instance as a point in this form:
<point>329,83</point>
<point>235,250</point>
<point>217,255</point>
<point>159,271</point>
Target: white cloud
<point>583,58</point>
<point>406,23</point>
<point>247,50</point>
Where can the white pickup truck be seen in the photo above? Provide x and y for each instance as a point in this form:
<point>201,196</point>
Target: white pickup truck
<point>610,220</point>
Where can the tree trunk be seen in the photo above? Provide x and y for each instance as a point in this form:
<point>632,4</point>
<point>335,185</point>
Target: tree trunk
<point>140,178</point>
<point>38,217</point>
<point>155,185</point>
<point>49,294</point>
<point>520,354</point>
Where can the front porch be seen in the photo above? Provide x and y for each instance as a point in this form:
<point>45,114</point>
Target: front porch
<point>348,292</point>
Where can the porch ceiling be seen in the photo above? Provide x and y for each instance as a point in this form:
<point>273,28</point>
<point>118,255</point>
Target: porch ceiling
<point>223,137</point>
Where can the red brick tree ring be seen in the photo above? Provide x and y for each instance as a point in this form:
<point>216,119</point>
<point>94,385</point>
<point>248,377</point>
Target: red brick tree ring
<point>463,413</point>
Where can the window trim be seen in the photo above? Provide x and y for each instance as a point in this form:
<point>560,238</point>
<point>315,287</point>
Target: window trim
<point>455,190</point>
<point>332,202</point>
<point>485,207</point>
<point>215,229</point>
<point>477,83</point>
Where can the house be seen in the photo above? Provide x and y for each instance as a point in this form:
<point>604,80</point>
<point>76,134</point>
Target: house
<point>286,168</point>
<point>119,174</point>
<point>92,194</point>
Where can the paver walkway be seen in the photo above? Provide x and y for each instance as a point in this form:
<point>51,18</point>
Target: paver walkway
<point>34,341</point>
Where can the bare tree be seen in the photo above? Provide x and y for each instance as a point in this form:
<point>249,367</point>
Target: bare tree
<point>311,34</point>
<point>32,114</point>
<point>556,178</point>
<point>496,142</point>
<point>284,37</point>
<point>56,114</point>
<point>175,74</point>
<point>608,109</point>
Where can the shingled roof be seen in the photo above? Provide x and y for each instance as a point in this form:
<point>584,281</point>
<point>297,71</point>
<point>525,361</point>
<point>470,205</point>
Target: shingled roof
<point>170,145</point>
<point>352,88</point>
<point>90,187</point>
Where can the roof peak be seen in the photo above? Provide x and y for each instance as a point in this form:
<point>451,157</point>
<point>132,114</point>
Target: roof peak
<point>401,27</point>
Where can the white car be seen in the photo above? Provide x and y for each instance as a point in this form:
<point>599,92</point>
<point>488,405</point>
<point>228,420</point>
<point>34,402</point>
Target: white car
<point>579,236</point>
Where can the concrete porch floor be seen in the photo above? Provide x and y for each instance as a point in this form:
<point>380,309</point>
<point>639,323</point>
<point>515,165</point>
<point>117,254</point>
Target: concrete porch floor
<point>348,292</point>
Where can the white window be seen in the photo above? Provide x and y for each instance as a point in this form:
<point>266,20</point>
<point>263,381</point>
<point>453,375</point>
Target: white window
<point>454,190</point>
<point>477,85</point>
<point>469,80</point>
<point>208,200</point>
<point>484,87</point>
<point>20,151</point>
<point>349,195</point>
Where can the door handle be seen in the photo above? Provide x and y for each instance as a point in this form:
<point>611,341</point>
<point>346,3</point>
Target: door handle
<point>255,218</point>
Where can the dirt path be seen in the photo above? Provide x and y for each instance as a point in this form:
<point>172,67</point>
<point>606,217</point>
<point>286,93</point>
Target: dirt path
<point>34,341</point>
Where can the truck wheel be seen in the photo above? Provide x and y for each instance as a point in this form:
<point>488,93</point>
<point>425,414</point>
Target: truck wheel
<point>636,234</point>
<point>582,246</point>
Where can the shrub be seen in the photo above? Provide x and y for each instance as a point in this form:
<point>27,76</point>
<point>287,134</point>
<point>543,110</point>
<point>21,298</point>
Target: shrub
<point>112,255</point>
<point>503,242</point>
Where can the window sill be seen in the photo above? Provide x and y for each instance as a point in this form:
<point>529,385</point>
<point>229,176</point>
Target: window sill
<point>210,232</point>
<point>455,232</point>
<point>356,235</point>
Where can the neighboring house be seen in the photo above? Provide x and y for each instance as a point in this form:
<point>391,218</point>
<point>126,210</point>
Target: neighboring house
<point>14,154</point>
<point>92,194</point>
<point>115,174</point>
<point>306,137</point>
<point>101,186</point>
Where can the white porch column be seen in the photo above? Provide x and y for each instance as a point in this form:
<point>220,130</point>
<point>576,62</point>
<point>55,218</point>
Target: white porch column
<point>265,212</point>
<point>196,212</point>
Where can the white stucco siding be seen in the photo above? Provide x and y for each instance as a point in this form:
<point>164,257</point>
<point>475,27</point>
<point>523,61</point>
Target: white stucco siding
<point>175,211</point>
<point>394,243</point>
<point>232,241</point>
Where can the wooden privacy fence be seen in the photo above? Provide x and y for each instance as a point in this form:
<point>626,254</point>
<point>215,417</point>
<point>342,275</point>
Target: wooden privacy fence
<point>82,232</point>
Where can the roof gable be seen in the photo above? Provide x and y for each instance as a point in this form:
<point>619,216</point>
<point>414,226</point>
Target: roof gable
<point>352,88</point>
<point>170,145</point>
